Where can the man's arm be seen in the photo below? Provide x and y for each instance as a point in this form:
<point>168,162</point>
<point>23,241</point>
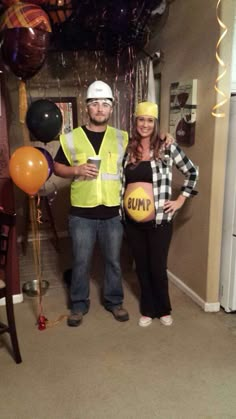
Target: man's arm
<point>85,170</point>
<point>65,171</point>
<point>62,167</point>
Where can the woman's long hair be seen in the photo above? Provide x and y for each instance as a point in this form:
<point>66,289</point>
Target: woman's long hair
<point>135,147</point>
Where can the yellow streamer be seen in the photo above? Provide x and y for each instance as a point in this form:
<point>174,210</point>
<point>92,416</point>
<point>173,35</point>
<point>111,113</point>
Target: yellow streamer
<point>22,111</point>
<point>216,111</point>
<point>22,101</point>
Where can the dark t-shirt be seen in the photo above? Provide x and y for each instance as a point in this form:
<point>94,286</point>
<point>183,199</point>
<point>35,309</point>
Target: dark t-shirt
<point>141,172</point>
<point>101,211</point>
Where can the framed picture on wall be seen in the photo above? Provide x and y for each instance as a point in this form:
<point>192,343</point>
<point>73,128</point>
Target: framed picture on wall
<point>182,111</point>
<point>68,108</point>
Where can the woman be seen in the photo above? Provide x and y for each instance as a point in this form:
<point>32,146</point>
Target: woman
<point>148,208</point>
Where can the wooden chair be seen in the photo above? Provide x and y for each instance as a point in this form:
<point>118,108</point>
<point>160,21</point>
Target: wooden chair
<point>7,221</point>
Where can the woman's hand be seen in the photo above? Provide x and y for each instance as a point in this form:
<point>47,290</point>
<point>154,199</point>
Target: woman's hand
<point>173,206</point>
<point>87,170</point>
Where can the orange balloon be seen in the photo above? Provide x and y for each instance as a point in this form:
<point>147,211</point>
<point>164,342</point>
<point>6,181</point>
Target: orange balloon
<point>28,169</point>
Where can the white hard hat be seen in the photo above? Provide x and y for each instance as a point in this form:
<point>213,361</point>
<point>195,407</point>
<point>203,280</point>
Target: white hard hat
<point>99,90</point>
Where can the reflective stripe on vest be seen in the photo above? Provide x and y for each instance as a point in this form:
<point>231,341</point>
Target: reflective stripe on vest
<point>107,176</point>
<point>70,145</point>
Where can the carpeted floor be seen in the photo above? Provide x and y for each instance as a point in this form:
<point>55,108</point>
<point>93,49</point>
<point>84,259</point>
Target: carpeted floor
<point>109,370</point>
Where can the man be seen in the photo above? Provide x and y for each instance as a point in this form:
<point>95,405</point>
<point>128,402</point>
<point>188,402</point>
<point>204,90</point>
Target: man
<point>95,199</point>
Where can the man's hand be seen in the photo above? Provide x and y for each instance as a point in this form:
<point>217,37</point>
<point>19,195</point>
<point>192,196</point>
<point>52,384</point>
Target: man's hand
<point>167,139</point>
<point>86,170</point>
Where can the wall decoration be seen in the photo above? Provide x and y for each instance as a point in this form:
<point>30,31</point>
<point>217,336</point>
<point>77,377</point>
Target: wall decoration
<point>68,108</point>
<point>222,98</point>
<point>182,113</point>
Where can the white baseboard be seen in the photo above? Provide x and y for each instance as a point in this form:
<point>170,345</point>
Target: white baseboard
<point>17,298</point>
<point>208,307</point>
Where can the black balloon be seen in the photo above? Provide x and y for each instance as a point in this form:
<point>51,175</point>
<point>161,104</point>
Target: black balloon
<point>44,120</point>
<point>24,50</point>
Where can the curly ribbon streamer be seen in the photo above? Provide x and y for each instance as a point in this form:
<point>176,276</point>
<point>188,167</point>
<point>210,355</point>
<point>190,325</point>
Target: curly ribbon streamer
<point>216,108</point>
<point>35,220</point>
<point>35,216</point>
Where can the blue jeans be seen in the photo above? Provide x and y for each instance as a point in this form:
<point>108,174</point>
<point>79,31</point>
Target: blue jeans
<point>84,233</point>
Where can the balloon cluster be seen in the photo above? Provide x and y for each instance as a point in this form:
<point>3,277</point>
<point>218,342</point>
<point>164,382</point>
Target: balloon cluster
<point>25,35</point>
<point>30,167</point>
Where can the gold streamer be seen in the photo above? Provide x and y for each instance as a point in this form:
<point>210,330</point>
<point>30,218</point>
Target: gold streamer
<point>22,101</point>
<point>216,111</point>
<point>23,105</point>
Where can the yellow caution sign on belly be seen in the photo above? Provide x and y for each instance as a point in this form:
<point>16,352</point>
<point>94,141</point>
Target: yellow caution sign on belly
<point>139,205</point>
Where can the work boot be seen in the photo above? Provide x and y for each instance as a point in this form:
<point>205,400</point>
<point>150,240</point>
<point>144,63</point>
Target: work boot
<point>120,313</point>
<point>75,319</point>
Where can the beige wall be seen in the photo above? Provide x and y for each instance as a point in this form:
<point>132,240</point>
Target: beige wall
<point>188,41</point>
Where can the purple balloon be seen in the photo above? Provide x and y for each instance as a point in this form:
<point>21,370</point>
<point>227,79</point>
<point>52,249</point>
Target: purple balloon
<point>49,159</point>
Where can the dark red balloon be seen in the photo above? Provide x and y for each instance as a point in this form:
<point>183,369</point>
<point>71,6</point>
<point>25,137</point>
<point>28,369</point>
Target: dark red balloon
<point>24,50</point>
<point>8,3</point>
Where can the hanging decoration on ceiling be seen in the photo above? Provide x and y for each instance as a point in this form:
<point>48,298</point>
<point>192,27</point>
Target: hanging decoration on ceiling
<point>22,15</point>
<point>216,110</point>
<point>57,10</point>
<point>109,26</point>
<point>112,26</point>
<point>25,32</point>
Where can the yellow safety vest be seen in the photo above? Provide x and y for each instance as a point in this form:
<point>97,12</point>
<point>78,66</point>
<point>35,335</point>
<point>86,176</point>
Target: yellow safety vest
<point>105,189</point>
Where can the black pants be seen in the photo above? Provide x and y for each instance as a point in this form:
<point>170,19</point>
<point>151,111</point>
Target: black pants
<point>150,246</point>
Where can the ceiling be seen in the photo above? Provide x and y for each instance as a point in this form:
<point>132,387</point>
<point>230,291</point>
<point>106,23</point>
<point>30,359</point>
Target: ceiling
<point>107,25</point>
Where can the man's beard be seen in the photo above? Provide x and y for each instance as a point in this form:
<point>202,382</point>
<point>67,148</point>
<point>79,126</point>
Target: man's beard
<point>99,123</point>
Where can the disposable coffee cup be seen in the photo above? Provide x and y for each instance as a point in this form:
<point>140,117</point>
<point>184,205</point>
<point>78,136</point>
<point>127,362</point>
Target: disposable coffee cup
<point>95,160</point>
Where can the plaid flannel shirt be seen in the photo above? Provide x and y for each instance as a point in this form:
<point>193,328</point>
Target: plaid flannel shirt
<point>162,179</point>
